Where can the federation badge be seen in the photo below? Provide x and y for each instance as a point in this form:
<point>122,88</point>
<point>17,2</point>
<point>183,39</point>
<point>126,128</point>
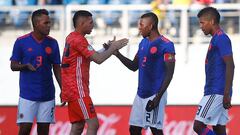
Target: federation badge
<point>48,50</point>
<point>90,48</point>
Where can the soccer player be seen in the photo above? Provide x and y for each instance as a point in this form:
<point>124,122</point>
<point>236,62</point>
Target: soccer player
<point>78,54</point>
<point>35,55</point>
<point>155,60</point>
<point>219,69</point>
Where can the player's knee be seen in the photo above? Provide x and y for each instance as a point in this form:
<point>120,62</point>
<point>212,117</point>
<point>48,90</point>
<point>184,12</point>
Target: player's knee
<point>197,127</point>
<point>156,131</point>
<point>77,128</point>
<point>43,128</point>
<point>24,129</point>
<point>135,130</point>
<point>93,125</point>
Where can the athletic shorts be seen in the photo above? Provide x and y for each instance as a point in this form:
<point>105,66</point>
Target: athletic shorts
<point>81,109</point>
<point>211,111</point>
<point>141,118</point>
<point>44,112</point>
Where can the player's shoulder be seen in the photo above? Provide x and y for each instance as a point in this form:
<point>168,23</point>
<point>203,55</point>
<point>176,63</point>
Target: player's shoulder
<point>166,42</point>
<point>24,36</point>
<point>222,35</point>
<point>76,37</point>
<point>51,38</point>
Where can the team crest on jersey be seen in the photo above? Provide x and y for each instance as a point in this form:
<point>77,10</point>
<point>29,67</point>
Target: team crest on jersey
<point>48,50</point>
<point>153,50</point>
<point>30,49</point>
<point>90,48</point>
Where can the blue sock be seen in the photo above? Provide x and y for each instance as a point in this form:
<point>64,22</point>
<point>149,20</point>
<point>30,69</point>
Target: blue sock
<point>207,131</point>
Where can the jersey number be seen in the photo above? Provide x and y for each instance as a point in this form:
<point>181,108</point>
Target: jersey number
<point>144,61</point>
<point>148,115</point>
<point>199,109</point>
<point>39,61</point>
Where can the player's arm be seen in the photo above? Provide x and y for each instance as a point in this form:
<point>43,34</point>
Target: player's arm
<point>57,73</point>
<point>170,65</point>
<point>229,79</point>
<point>130,64</point>
<point>17,66</point>
<point>99,57</point>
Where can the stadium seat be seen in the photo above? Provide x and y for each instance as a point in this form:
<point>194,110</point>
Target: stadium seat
<point>111,18</point>
<point>19,17</point>
<point>4,14</point>
<point>135,15</point>
<point>66,2</point>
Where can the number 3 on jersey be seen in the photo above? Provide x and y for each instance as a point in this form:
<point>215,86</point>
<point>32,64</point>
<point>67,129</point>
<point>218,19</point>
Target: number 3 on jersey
<point>199,109</point>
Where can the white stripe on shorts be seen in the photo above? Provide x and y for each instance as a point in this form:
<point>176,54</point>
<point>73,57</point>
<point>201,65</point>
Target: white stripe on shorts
<point>83,108</point>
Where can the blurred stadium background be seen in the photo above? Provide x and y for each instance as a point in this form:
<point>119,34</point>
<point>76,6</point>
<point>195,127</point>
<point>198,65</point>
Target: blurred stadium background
<point>112,85</point>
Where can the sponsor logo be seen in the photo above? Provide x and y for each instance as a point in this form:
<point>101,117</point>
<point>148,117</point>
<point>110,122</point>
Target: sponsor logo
<point>2,119</point>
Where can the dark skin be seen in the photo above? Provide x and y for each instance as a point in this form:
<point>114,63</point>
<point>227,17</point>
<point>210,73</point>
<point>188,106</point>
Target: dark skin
<point>146,30</point>
<point>41,29</point>
<point>209,26</point>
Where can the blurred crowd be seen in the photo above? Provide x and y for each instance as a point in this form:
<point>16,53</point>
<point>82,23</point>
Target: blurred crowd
<point>169,21</point>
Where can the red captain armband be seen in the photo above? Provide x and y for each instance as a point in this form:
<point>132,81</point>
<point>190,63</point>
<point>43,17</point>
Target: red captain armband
<point>169,57</point>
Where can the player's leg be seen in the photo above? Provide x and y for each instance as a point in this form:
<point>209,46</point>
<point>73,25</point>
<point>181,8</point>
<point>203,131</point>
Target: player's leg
<point>135,130</point>
<point>199,127</point>
<point>43,128</point>
<point>93,126</point>
<point>136,116</point>
<point>77,128</point>
<point>156,131</point>
<point>210,112</point>
<point>26,113</point>
<point>45,116</point>
<point>155,118</point>
<point>81,111</point>
<point>220,129</point>
<point>25,128</point>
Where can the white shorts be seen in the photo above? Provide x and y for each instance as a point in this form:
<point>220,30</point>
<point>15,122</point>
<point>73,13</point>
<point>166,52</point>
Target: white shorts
<point>211,110</point>
<point>141,118</point>
<point>43,111</point>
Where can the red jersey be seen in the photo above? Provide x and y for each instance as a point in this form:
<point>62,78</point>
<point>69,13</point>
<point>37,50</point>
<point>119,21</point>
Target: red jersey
<point>75,67</point>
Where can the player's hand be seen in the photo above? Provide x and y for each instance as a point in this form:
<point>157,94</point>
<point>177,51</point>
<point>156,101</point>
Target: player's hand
<point>227,102</point>
<point>106,46</point>
<point>30,67</point>
<point>118,44</point>
<point>149,106</point>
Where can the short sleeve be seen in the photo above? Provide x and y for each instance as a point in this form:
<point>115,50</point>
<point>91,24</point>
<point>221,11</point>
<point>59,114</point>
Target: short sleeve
<point>169,48</point>
<point>82,46</point>
<point>17,52</point>
<point>169,52</point>
<point>224,45</point>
